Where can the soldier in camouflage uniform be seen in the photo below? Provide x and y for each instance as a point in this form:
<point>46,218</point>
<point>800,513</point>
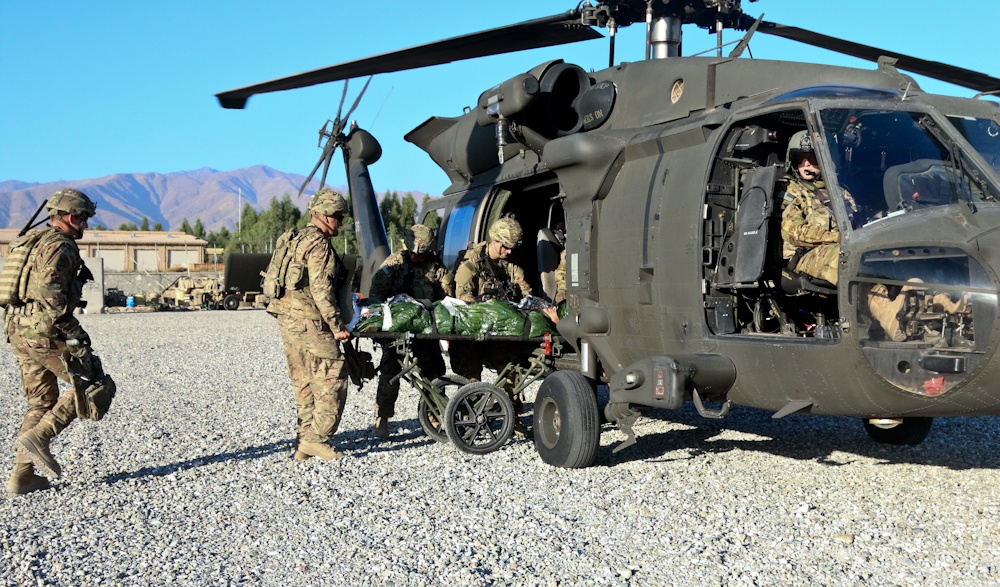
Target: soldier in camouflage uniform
<point>310,325</point>
<point>419,273</point>
<point>486,273</point>
<point>808,227</point>
<point>561,279</point>
<point>41,329</point>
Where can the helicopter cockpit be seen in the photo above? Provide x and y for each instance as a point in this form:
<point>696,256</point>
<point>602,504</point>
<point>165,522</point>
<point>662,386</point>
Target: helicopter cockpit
<point>893,161</point>
<point>983,134</point>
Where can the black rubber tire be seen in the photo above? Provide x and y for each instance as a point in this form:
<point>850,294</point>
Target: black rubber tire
<point>479,418</point>
<point>436,429</point>
<point>910,432</point>
<point>567,427</point>
<point>231,302</point>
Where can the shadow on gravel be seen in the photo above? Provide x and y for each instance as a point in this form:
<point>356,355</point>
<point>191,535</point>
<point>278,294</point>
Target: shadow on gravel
<point>954,443</point>
<point>252,452</point>
<point>359,443</point>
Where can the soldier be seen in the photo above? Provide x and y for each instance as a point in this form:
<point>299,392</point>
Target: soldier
<point>419,273</point>
<point>808,227</point>
<point>484,274</point>
<point>41,329</point>
<point>308,274</point>
<point>561,279</point>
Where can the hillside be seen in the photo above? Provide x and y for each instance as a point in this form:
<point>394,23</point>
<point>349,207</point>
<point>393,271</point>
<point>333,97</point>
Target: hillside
<point>208,194</point>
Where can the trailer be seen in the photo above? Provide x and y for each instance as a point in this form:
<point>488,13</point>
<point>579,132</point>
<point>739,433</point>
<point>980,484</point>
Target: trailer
<point>242,280</point>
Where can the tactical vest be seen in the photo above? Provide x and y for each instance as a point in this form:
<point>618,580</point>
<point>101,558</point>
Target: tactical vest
<point>281,272</point>
<point>14,277</point>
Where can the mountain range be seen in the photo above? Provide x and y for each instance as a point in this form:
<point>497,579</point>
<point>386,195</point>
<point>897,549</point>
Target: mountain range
<point>215,197</point>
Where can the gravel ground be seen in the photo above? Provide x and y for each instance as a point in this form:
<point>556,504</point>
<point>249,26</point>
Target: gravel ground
<point>189,481</point>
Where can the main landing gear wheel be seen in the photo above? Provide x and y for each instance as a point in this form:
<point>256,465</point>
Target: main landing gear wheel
<point>432,422</point>
<point>910,431</point>
<point>567,428</point>
<point>231,302</point>
<point>479,418</point>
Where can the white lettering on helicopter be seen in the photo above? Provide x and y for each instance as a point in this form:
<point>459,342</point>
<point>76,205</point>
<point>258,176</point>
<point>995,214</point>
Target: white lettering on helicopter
<point>591,117</point>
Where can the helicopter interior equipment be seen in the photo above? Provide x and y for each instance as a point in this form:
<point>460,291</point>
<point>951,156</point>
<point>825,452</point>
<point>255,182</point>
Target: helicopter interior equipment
<point>668,175</point>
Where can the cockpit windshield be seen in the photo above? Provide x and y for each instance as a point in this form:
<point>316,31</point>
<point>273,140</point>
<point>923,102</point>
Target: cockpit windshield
<point>984,134</point>
<point>893,162</point>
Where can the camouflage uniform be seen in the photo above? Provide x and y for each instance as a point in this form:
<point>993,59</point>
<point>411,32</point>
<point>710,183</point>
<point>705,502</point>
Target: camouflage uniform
<point>477,276</point>
<point>37,333</point>
<point>308,317</point>
<point>561,278</point>
<point>807,222</point>
<point>885,308</point>
<point>426,279</point>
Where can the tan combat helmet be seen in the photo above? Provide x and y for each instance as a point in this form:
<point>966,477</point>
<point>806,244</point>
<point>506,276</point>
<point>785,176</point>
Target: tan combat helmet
<point>327,202</point>
<point>70,201</point>
<point>419,238</point>
<point>507,232</point>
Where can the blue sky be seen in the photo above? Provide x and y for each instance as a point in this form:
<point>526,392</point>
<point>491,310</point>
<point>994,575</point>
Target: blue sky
<point>91,89</point>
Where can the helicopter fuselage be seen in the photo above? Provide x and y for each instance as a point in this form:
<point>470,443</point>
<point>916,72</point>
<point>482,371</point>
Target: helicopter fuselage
<point>651,163</point>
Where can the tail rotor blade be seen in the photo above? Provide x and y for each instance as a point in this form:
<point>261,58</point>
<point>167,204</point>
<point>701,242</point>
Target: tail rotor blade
<point>357,100</point>
<point>309,177</point>
<point>326,167</point>
<point>343,96</point>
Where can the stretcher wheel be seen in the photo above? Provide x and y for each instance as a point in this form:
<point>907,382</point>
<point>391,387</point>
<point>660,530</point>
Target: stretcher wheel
<point>431,420</point>
<point>479,418</point>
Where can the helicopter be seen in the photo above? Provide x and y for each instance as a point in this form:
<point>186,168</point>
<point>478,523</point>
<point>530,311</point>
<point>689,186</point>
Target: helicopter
<point>667,177</point>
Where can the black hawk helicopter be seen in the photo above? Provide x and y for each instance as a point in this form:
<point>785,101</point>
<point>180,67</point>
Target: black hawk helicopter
<point>669,177</point>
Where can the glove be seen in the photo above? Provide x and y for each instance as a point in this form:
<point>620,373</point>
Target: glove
<point>78,339</point>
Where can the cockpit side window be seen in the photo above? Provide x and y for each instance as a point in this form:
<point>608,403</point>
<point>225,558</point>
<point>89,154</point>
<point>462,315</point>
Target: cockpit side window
<point>983,134</point>
<point>894,162</point>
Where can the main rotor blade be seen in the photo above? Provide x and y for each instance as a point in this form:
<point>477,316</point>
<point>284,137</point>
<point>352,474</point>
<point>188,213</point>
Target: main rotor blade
<point>934,69</point>
<point>550,31</point>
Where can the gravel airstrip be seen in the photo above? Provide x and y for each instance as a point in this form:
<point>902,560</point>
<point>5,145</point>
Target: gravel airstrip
<point>189,481</point>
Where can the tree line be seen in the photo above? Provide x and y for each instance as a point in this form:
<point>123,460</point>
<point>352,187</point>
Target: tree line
<point>257,231</point>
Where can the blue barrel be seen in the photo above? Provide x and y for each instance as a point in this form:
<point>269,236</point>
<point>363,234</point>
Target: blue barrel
<point>130,302</point>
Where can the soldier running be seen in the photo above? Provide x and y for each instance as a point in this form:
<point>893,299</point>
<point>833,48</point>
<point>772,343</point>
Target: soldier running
<point>42,327</point>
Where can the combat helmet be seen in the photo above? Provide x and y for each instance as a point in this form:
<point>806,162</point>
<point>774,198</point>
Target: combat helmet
<point>507,232</point>
<point>800,144</point>
<point>70,201</point>
<point>327,202</point>
<point>419,238</point>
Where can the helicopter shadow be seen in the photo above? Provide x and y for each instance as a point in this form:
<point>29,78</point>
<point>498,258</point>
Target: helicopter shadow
<point>953,443</point>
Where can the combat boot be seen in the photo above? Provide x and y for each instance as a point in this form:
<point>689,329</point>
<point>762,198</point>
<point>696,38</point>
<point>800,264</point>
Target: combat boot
<point>320,450</point>
<point>23,480</point>
<point>381,429</point>
<point>34,444</point>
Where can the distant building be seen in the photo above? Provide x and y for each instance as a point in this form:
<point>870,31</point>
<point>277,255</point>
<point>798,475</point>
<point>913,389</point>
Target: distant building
<point>133,250</point>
